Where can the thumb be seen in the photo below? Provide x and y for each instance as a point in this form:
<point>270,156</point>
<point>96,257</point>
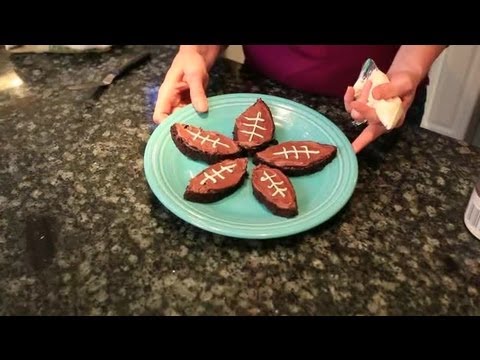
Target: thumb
<point>398,86</point>
<point>197,92</point>
<point>367,136</point>
<point>385,91</point>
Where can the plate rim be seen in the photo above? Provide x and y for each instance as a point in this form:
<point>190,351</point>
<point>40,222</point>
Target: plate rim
<point>170,204</point>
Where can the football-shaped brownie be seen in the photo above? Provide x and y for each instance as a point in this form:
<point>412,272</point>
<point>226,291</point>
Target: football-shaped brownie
<point>273,189</point>
<point>204,145</point>
<point>254,128</point>
<point>217,181</point>
<point>297,158</point>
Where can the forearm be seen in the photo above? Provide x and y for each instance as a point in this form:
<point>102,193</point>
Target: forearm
<point>209,52</point>
<point>416,60</point>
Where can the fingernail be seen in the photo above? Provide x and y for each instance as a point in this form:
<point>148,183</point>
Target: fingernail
<point>159,118</point>
<point>377,94</point>
<point>201,106</point>
<point>356,115</point>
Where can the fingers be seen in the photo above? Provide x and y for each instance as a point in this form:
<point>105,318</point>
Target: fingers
<point>398,86</point>
<point>361,111</point>
<point>401,89</point>
<point>348,98</point>
<point>385,91</point>
<point>367,136</point>
<point>181,86</point>
<point>164,105</point>
<point>184,83</point>
<point>363,98</point>
<point>158,116</point>
<point>401,85</point>
<point>167,99</point>
<point>197,84</point>
<point>365,92</point>
<point>167,94</point>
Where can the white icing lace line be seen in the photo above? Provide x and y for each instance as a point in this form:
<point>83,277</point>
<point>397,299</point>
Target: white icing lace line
<point>214,142</point>
<point>295,151</point>
<point>218,174</point>
<point>273,184</point>
<point>255,126</point>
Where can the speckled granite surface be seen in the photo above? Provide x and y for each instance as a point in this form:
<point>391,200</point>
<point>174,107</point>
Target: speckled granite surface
<point>399,247</point>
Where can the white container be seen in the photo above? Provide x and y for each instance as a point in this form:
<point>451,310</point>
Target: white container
<point>472,214</point>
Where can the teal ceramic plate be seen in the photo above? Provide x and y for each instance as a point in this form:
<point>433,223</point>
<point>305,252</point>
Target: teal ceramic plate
<point>319,196</point>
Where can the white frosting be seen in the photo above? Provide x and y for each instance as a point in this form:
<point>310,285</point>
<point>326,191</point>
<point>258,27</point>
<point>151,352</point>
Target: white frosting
<point>218,174</point>
<point>388,111</point>
<point>274,184</point>
<point>214,142</point>
<point>306,151</point>
<point>255,126</point>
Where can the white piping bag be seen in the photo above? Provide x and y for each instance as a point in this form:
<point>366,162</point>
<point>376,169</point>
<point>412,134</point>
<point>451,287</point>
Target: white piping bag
<point>389,111</point>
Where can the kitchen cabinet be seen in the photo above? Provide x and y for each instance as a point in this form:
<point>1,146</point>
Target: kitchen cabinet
<point>452,100</point>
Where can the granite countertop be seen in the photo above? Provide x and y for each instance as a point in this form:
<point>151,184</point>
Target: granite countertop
<point>399,247</point>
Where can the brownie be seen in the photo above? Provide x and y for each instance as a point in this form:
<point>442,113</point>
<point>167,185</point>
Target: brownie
<point>217,181</point>
<point>273,188</point>
<point>254,129</point>
<point>296,158</point>
<point>204,145</point>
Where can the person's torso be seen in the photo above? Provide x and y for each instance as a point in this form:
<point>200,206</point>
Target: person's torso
<point>321,69</point>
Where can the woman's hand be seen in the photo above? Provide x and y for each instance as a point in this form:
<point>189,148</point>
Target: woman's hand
<point>402,84</point>
<point>410,66</point>
<point>186,80</point>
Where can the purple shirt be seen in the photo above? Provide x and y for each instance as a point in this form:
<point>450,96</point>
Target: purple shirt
<point>321,69</point>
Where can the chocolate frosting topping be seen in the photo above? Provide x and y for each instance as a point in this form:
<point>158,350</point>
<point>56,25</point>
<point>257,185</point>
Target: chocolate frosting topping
<point>274,186</point>
<point>254,126</point>
<point>206,141</point>
<point>219,176</point>
<point>296,154</point>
